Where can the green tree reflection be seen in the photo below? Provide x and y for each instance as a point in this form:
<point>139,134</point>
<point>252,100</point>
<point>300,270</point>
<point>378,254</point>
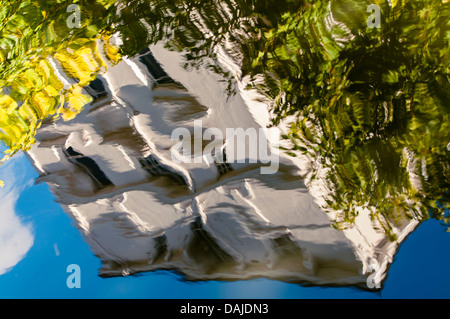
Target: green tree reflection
<point>371,105</point>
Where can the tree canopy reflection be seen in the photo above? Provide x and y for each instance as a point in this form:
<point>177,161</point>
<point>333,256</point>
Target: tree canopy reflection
<point>369,107</point>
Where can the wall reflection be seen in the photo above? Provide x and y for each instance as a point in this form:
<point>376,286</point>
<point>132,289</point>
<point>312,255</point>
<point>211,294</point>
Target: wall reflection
<point>195,218</point>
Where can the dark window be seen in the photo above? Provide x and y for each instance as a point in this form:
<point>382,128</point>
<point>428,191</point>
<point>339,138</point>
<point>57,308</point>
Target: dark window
<point>70,152</point>
<point>222,166</point>
<point>89,166</point>
<point>96,89</point>
<point>160,247</point>
<point>152,165</point>
<point>155,69</point>
<point>205,251</point>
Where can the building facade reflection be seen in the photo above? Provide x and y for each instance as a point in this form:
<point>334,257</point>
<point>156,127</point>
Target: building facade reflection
<point>111,170</point>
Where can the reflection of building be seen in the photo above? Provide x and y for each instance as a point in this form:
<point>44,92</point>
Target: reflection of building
<point>111,170</point>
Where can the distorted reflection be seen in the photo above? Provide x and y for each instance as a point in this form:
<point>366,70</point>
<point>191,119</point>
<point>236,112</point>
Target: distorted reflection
<point>363,113</point>
<point>162,215</point>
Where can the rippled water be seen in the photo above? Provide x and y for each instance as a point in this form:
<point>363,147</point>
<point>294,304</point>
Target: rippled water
<point>362,113</point>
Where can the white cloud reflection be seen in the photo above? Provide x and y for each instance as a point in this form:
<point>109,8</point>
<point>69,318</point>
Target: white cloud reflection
<point>16,237</point>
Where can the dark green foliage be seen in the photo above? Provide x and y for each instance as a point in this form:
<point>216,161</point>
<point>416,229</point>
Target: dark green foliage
<point>373,108</point>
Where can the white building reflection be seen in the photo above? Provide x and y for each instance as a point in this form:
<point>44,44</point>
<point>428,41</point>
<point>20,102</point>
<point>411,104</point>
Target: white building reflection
<point>111,170</point>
